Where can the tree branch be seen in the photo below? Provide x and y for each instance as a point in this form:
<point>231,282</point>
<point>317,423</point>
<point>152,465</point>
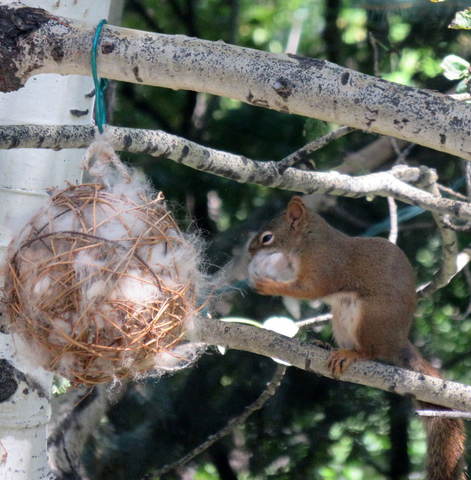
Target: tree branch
<point>269,391</point>
<point>311,147</point>
<point>314,359</point>
<point>288,83</point>
<point>236,167</point>
<point>449,261</point>
<point>443,414</point>
<point>393,220</point>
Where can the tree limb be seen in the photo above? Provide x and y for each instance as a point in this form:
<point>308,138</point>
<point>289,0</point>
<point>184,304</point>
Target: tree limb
<point>449,261</point>
<point>393,220</point>
<point>311,147</point>
<point>443,414</point>
<point>237,167</point>
<point>370,157</point>
<point>269,391</point>
<point>314,359</point>
<point>283,82</point>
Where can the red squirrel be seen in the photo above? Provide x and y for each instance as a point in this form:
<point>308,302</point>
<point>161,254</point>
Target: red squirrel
<point>370,286</point>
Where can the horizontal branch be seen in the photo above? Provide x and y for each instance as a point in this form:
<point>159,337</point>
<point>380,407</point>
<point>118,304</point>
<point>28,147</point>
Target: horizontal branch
<point>314,359</point>
<point>33,41</point>
<point>443,414</point>
<point>237,167</point>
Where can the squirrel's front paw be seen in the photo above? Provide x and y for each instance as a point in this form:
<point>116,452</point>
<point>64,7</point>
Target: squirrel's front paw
<point>266,286</point>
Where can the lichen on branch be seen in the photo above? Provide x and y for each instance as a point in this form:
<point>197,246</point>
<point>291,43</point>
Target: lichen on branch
<point>284,82</point>
<point>397,183</point>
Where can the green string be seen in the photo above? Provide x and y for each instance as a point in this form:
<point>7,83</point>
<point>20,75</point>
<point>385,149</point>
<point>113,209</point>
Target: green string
<point>100,85</point>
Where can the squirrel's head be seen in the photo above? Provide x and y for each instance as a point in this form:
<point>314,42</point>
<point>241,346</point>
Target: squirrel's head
<point>272,248</point>
<point>281,232</point>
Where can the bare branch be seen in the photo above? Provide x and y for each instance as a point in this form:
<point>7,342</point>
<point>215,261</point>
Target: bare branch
<point>315,321</point>
<point>443,414</point>
<point>283,82</point>
<point>462,97</point>
<point>303,152</point>
<point>374,46</point>
<point>370,157</point>
<point>449,241</point>
<point>314,359</point>
<point>467,169</point>
<point>393,216</point>
<point>236,167</point>
<point>269,391</point>
<point>451,192</point>
<point>467,276</point>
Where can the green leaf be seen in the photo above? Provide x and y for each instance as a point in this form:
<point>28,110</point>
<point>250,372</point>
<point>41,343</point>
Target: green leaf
<point>462,20</point>
<point>455,67</point>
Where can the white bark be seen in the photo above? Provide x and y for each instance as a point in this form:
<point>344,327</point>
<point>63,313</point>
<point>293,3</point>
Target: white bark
<point>450,252</point>
<point>314,359</point>
<point>25,174</point>
<point>396,183</point>
<point>284,82</point>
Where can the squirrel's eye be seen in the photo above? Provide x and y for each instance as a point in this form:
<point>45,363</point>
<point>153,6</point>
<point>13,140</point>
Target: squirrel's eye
<point>266,238</point>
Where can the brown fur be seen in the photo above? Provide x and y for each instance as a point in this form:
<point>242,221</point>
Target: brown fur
<point>371,286</point>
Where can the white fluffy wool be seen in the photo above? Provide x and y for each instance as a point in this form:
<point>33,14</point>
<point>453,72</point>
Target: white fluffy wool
<point>271,265</point>
<point>143,271</point>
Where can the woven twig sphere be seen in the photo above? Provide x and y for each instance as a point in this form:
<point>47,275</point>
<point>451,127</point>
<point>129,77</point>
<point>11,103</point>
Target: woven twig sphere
<point>100,283</point>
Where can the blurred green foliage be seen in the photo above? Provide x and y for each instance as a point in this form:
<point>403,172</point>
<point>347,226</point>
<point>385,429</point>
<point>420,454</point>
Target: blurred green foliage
<point>314,428</point>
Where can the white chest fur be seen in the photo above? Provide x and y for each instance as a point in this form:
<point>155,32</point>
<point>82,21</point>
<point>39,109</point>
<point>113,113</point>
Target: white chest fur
<point>346,309</point>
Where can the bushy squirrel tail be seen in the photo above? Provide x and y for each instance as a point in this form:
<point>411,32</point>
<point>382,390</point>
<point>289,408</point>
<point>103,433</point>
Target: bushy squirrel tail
<point>445,436</point>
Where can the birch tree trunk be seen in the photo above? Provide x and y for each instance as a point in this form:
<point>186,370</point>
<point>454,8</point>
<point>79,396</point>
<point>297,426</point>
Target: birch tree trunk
<point>25,389</point>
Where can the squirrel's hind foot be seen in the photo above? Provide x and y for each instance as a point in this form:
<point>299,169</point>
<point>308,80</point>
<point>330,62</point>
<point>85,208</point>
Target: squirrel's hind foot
<point>340,360</point>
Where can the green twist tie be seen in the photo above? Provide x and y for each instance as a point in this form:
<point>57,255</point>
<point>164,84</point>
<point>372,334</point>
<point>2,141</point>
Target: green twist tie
<point>100,85</point>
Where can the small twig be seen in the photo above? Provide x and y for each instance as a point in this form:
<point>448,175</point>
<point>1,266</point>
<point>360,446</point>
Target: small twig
<point>395,146</point>
<point>303,152</point>
<point>267,393</point>
<point>315,321</point>
<point>467,276</point>
<point>460,96</point>
<point>451,192</point>
<point>443,414</point>
<point>374,46</point>
<point>468,178</point>
<point>448,268</point>
<point>393,215</point>
<point>401,155</point>
<point>453,225</point>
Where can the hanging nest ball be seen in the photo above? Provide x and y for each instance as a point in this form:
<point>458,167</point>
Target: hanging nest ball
<point>100,283</point>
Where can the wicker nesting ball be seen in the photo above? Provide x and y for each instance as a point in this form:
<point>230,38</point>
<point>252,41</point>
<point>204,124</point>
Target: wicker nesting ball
<point>100,283</point>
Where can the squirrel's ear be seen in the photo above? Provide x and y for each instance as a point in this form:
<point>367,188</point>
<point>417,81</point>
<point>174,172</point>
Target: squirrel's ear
<point>295,212</point>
